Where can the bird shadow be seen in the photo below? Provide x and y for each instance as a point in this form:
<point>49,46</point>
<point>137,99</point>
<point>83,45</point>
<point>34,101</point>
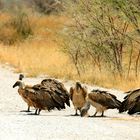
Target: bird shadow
<point>103,117</point>
<point>33,114</point>
<point>97,116</point>
<point>70,115</point>
<point>61,115</point>
<point>52,115</point>
<point>25,111</point>
<point>73,115</point>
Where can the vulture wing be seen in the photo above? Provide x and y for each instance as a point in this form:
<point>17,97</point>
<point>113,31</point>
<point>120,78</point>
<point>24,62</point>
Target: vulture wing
<point>130,101</point>
<point>71,93</point>
<point>105,99</point>
<point>84,92</point>
<point>133,93</point>
<point>58,89</point>
<point>41,98</point>
<point>135,106</point>
<point>47,96</point>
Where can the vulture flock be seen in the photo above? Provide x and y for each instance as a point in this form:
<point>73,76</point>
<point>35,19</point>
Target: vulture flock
<point>51,94</point>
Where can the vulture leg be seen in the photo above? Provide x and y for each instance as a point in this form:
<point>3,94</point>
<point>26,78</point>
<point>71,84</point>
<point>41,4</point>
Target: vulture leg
<point>36,112</point>
<point>94,114</point>
<point>76,114</point>
<point>28,110</point>
<point>102,115</point>
<point>39,111</point>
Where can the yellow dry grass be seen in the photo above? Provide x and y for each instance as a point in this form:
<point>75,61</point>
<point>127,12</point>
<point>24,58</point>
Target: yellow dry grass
<point>47,26</point>
<point>5,16</point>
<point>108,81</point>
<point>42,55</point>
<point>37,58</point>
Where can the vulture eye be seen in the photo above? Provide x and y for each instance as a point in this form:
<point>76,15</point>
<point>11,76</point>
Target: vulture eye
<point>21,76</point>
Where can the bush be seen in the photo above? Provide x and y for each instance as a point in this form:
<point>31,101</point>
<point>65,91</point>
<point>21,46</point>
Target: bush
<point>15,30</point>
<point>104,36</point>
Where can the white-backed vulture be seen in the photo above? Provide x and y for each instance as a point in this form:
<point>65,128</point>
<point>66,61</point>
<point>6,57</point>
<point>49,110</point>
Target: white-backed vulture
<point>47,96</point>
<point>101,100</point>
<point>78,95</point>
<point>131,102</point>
<point>21,91</point>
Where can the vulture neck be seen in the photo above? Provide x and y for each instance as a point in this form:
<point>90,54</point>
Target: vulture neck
<point>87,105</point>
<point>22,85</point>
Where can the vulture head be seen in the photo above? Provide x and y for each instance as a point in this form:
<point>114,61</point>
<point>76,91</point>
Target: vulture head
<point>84,112</point>
<point>21,76</point>
<point>78,85</point>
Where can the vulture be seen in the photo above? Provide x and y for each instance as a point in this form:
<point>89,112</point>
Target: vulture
<point>131,102</point>
<point>101,100</point>
<point>47,95</point>
<point>78,95</point>
<point>22,92</point>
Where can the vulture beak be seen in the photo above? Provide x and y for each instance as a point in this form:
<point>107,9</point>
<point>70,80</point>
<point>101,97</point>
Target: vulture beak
<point>16,84</point>
<point>83,112</point>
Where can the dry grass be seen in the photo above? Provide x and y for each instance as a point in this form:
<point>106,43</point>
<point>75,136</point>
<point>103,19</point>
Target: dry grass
<point>47,26</point>
<point>42,55</point>
<point>37,58</point>
<point>5,17</point>
<point>108,81</point>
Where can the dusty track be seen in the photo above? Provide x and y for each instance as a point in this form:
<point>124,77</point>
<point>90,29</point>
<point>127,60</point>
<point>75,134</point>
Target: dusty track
<point>58,125</point>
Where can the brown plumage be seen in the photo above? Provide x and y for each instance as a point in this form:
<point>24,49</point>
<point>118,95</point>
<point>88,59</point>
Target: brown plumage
<point>45,96</point>
<point>78,95</point>
<point>102,101</point>
<point>131,102</point>
<point>57,88</point>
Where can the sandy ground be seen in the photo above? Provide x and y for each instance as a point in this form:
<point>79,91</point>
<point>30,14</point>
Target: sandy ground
<point>59,125</point>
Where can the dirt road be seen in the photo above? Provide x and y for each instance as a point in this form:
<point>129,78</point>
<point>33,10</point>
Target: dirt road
<point>58,125</point>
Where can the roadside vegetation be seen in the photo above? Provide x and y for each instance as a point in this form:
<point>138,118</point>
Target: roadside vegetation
<point>94,41</point>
